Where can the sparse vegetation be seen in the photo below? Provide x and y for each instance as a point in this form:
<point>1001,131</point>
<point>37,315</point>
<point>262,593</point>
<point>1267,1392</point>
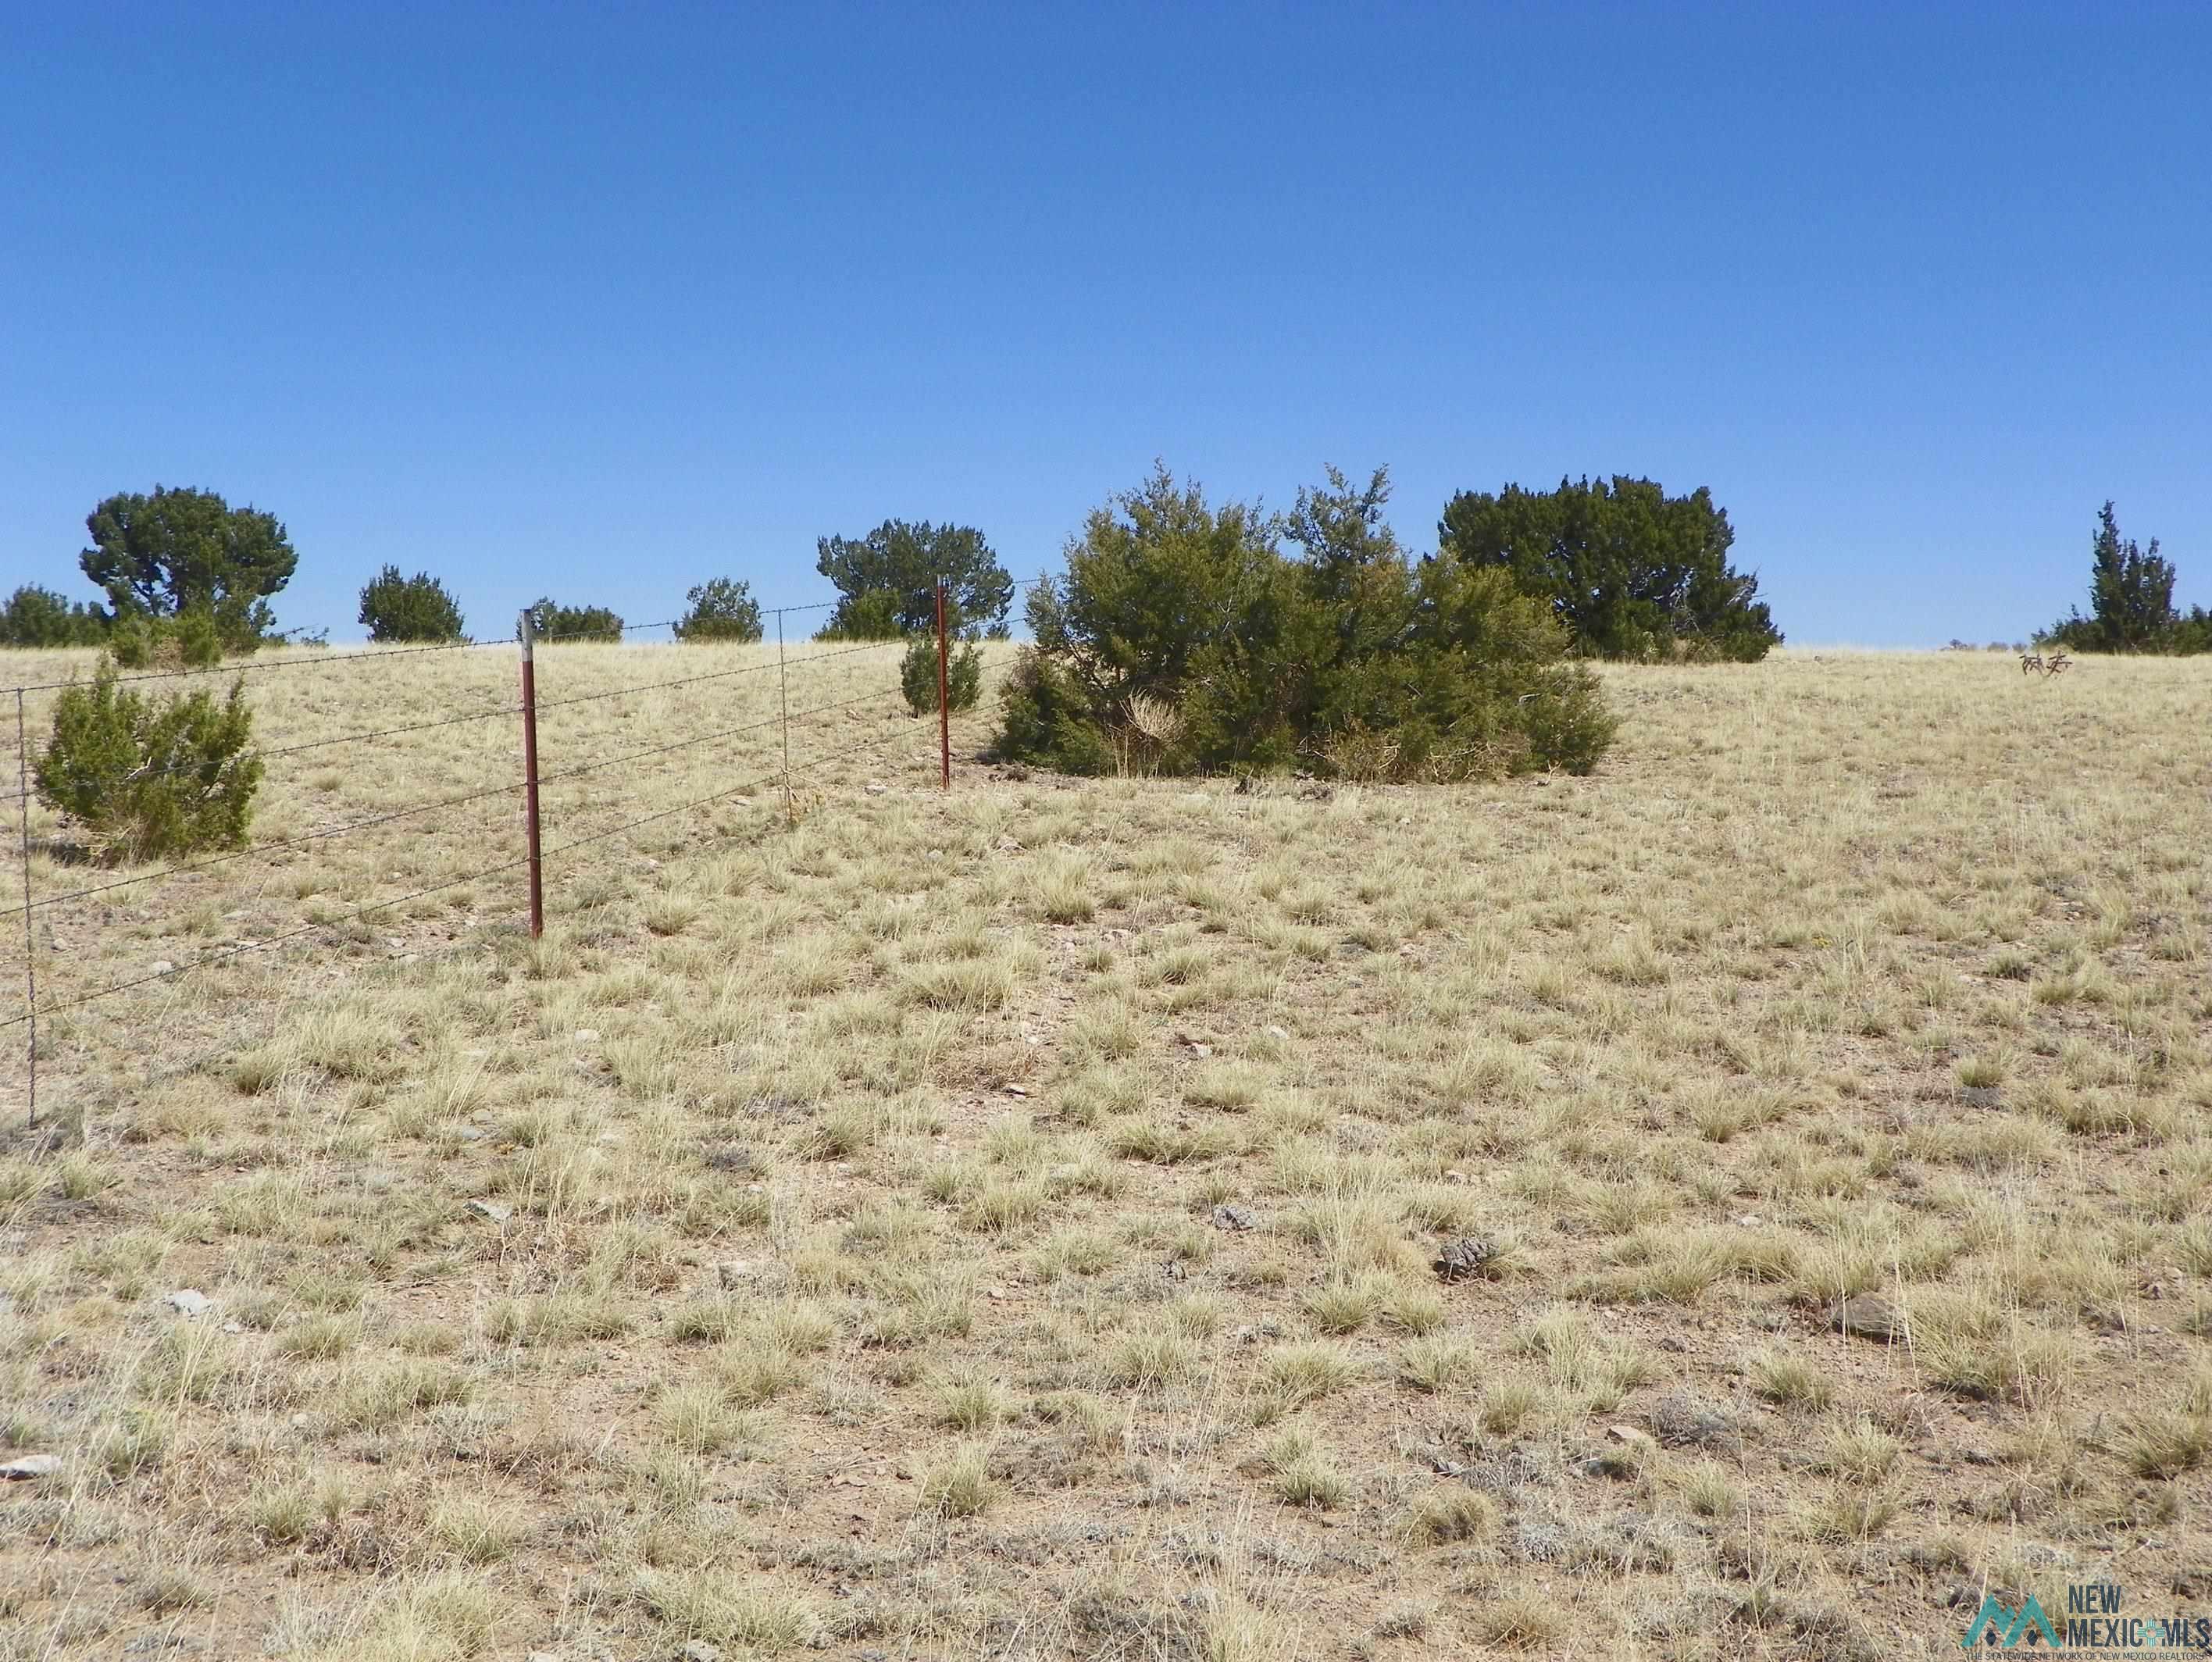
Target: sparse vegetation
<point>1008,1222</point>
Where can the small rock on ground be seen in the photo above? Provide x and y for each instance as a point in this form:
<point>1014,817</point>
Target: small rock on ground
<point>1463,1258</point>
<point>1234,1217</point>
<point>1869,1317</point>
<point>30,1466</point>
<point>189,1303</point>
<point>698,1650</point>
<point>492,1209</point>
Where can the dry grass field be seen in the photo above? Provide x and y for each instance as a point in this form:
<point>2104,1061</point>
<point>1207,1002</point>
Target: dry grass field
<point>1008,1224</point>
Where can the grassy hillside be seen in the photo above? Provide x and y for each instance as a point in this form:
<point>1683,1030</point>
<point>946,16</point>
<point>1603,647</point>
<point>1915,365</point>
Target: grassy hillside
<point>1010,1223</point>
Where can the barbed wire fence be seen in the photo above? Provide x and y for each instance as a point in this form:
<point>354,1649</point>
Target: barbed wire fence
<point>531,858</point>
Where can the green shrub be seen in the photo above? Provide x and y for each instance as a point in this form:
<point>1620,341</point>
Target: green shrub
<point>185,550</point>
<point>1044,717</point>
<point>189,640</point>
<point>964,668</point>
<point>963,675</point>
<point>870,616</point>
<point>148,777</point>
<point>1629,571</point>
<point>36,616</point>
<point>1182,639</point>
<point>721,609</point>
<point>2132,602</point>
<point>416,607</point>
<point>199,640</point>
<point>554,621</point>
<point>1567,722</point>
<point>888,579</point>
<point>131,642</point>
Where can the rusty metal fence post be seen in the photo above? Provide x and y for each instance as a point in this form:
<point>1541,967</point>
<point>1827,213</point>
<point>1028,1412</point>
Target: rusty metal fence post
<point>783,719</point>
<point>944,700</point>
<point>30,961</point>
<point>522,633</point>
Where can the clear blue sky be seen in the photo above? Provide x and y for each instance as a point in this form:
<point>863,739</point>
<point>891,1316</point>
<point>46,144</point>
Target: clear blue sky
<point>602,301</point>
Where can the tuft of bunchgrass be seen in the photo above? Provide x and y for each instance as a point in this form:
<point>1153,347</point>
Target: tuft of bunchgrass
<point>1301,1474</point>
<point>959,1485</point>
<point>1449,1514</point>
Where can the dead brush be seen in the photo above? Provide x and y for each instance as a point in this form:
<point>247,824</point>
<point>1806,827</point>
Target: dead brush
<point>1150,728</point>
<point>1477,759</point>
<point>1360,756</point>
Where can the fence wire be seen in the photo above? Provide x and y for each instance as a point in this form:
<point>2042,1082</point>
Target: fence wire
<point>791,721</point>
<point>257,665</point>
